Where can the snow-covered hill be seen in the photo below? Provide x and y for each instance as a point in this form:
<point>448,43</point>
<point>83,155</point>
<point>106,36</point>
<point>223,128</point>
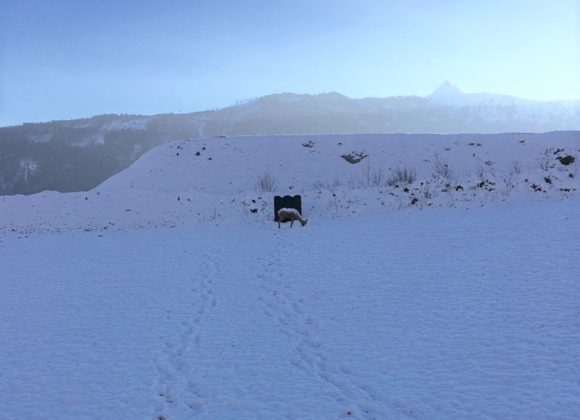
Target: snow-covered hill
<point>226,180</point>
<point>169,293</point>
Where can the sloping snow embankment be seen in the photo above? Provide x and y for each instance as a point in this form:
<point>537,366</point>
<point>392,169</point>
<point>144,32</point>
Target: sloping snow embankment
<point>217,180</point>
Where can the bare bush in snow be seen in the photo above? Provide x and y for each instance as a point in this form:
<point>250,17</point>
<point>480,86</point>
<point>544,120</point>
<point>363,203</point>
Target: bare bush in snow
<point>401,176</point>
<point>546,162</point>
<point>267,183</point>
<point>516,167</point>
<point>441,169</point>
<point>331,185</point>
<point>373,177</point>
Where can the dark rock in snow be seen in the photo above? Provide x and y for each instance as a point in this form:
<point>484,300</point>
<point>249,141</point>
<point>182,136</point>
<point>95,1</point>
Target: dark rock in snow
<point>566,160</point>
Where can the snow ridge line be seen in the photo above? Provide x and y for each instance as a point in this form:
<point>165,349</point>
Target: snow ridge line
<point>178,389</point>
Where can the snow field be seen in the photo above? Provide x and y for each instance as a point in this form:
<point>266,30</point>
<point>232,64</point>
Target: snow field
<point>441,314</point>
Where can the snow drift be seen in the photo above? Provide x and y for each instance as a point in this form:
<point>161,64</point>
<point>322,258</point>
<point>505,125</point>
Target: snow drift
<point>233,180</point>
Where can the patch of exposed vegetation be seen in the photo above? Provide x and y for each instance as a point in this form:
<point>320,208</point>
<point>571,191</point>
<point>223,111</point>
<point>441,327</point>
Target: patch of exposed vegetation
<point>355,157</point>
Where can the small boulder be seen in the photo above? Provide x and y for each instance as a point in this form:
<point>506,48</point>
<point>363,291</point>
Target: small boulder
<point>355,157</point>
<point>566,160</point>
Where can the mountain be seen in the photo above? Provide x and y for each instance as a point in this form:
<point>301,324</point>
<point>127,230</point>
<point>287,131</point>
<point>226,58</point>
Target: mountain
<point>79,154</point>
<point>447,89</point>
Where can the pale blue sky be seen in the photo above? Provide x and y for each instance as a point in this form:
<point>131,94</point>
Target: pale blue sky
<point>63,59</point>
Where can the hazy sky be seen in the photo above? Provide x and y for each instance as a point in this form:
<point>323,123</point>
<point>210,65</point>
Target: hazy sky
<point>62,59</point>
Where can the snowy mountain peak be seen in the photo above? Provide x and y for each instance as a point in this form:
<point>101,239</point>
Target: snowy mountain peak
<point>447,89</point>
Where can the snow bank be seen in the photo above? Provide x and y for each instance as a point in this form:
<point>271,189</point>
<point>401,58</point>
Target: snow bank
<point>217,180</point>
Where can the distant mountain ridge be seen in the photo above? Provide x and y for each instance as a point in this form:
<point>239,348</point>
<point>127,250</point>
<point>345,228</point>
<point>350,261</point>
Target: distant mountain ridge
<point>447,89</point>
<point>79,154</point>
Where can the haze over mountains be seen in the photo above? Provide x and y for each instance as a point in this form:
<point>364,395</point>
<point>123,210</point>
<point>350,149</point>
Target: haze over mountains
<point>79,154</point>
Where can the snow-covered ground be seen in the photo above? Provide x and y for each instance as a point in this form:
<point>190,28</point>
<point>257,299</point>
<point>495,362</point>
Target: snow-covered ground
<point>439,314</point>
<point>162,294</point>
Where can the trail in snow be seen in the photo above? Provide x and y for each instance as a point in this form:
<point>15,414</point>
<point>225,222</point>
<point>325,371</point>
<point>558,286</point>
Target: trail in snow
<point>444,314</point>
<point>285,303</point>
<point>177,380</point>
